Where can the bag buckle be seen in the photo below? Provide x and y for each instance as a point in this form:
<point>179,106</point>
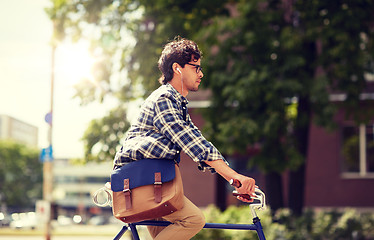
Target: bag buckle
<point>126,185</point>
<point>157,187</point>
<point>126,190</point>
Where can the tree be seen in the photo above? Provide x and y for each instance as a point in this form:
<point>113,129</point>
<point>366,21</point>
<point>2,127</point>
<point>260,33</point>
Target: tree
<point>270,64</point>
<point>251,69</point>
<point>277,56</point>
<point>21,174</point>
<point>127,38</point>
<point>103,134</point>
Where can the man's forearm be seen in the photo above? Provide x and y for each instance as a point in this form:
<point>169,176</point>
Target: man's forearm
<point>247,183</point>
<point>223,169</point>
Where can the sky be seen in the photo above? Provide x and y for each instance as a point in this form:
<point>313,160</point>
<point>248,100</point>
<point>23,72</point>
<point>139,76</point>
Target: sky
<point>25,77</point>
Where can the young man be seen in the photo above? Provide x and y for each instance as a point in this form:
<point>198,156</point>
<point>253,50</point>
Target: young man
<point>163,128</point>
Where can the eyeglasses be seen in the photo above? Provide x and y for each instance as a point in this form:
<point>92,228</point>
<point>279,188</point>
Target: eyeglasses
<point>198,67</point>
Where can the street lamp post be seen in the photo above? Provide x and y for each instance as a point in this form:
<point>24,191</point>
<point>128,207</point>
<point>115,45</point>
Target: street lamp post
<point>48,162</point>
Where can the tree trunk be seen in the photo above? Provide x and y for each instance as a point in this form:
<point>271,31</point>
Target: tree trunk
<point>221,193</point>
<point>297,177</point>
<point>296,190</point>
<point>274,190</point>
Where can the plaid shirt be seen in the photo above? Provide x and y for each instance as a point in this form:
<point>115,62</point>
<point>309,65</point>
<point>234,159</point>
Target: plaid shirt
<point>160,131</point>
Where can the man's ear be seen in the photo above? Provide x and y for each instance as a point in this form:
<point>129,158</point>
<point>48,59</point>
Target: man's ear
<point>176,68</point>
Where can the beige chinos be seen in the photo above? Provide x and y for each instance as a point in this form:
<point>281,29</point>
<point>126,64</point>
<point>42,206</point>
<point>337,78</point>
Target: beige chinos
<point>186,223</point>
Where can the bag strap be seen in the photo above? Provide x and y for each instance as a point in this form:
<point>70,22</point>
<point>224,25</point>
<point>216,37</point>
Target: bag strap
<point>157,190</point>
<point>127,192</point>
<point>157,187</point>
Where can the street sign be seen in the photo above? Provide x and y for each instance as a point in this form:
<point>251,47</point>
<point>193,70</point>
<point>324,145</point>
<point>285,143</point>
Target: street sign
<point>46,155</point>
<point>48,118</point>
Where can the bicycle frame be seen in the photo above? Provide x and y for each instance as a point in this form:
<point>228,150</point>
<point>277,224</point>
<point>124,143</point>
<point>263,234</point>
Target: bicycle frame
<point>256,226</point>
<point>259,204</point>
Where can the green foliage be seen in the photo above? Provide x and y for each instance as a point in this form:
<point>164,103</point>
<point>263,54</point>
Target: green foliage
<point>101,137</point>
<point>265,56</point>
<point>346,41</point>
<point>252,72</point>
<point>258,54</point>
<point>312,225</point>
<point>332,224</point>
<point>20,174</point>
<point>127,38</point>
<point>350,152</point>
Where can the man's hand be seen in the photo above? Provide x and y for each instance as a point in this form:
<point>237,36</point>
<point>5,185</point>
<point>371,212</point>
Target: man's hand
<point>248,186</point>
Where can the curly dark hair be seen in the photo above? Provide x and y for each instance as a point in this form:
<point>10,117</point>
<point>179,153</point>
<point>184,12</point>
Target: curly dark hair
<point>179,51</point>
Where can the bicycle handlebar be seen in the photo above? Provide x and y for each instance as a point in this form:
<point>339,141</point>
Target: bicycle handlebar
<point>236,183</point>
<point>259,195</point>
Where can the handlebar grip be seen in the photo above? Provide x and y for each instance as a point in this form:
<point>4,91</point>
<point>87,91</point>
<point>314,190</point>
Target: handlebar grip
<point>236,183</point>
<point>246,196</point>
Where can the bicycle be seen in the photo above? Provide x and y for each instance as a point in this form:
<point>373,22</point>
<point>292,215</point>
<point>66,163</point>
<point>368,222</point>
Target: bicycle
<point>259,203</point>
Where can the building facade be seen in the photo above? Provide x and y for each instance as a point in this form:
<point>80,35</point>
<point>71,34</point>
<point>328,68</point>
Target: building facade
<point>74,186</point>
<point>340,164</point>
<point>17,130</point>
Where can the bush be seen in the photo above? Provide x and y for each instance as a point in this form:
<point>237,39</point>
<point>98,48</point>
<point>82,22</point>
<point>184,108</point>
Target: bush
<point>316,225</point>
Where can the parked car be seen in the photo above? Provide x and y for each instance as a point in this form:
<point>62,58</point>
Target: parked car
<point>64,220</point>
<point>23,220</point>
<point>4,219</point>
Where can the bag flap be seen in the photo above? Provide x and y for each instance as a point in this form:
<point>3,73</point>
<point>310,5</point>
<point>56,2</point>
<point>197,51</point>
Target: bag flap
<point>142,172</point>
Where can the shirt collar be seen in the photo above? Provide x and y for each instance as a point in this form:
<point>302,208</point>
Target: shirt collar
<point>179,97</point>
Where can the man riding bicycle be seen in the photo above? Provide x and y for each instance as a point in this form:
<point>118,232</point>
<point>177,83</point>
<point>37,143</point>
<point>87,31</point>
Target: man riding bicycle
<point>163,127</point>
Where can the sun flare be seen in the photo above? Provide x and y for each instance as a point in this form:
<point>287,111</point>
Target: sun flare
<point>74,62</point>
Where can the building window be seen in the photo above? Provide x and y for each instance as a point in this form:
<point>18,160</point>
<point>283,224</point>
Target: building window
<point>358,151</point>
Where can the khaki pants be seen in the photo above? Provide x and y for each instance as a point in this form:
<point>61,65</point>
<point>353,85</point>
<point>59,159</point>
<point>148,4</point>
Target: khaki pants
<point>186,223</point>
